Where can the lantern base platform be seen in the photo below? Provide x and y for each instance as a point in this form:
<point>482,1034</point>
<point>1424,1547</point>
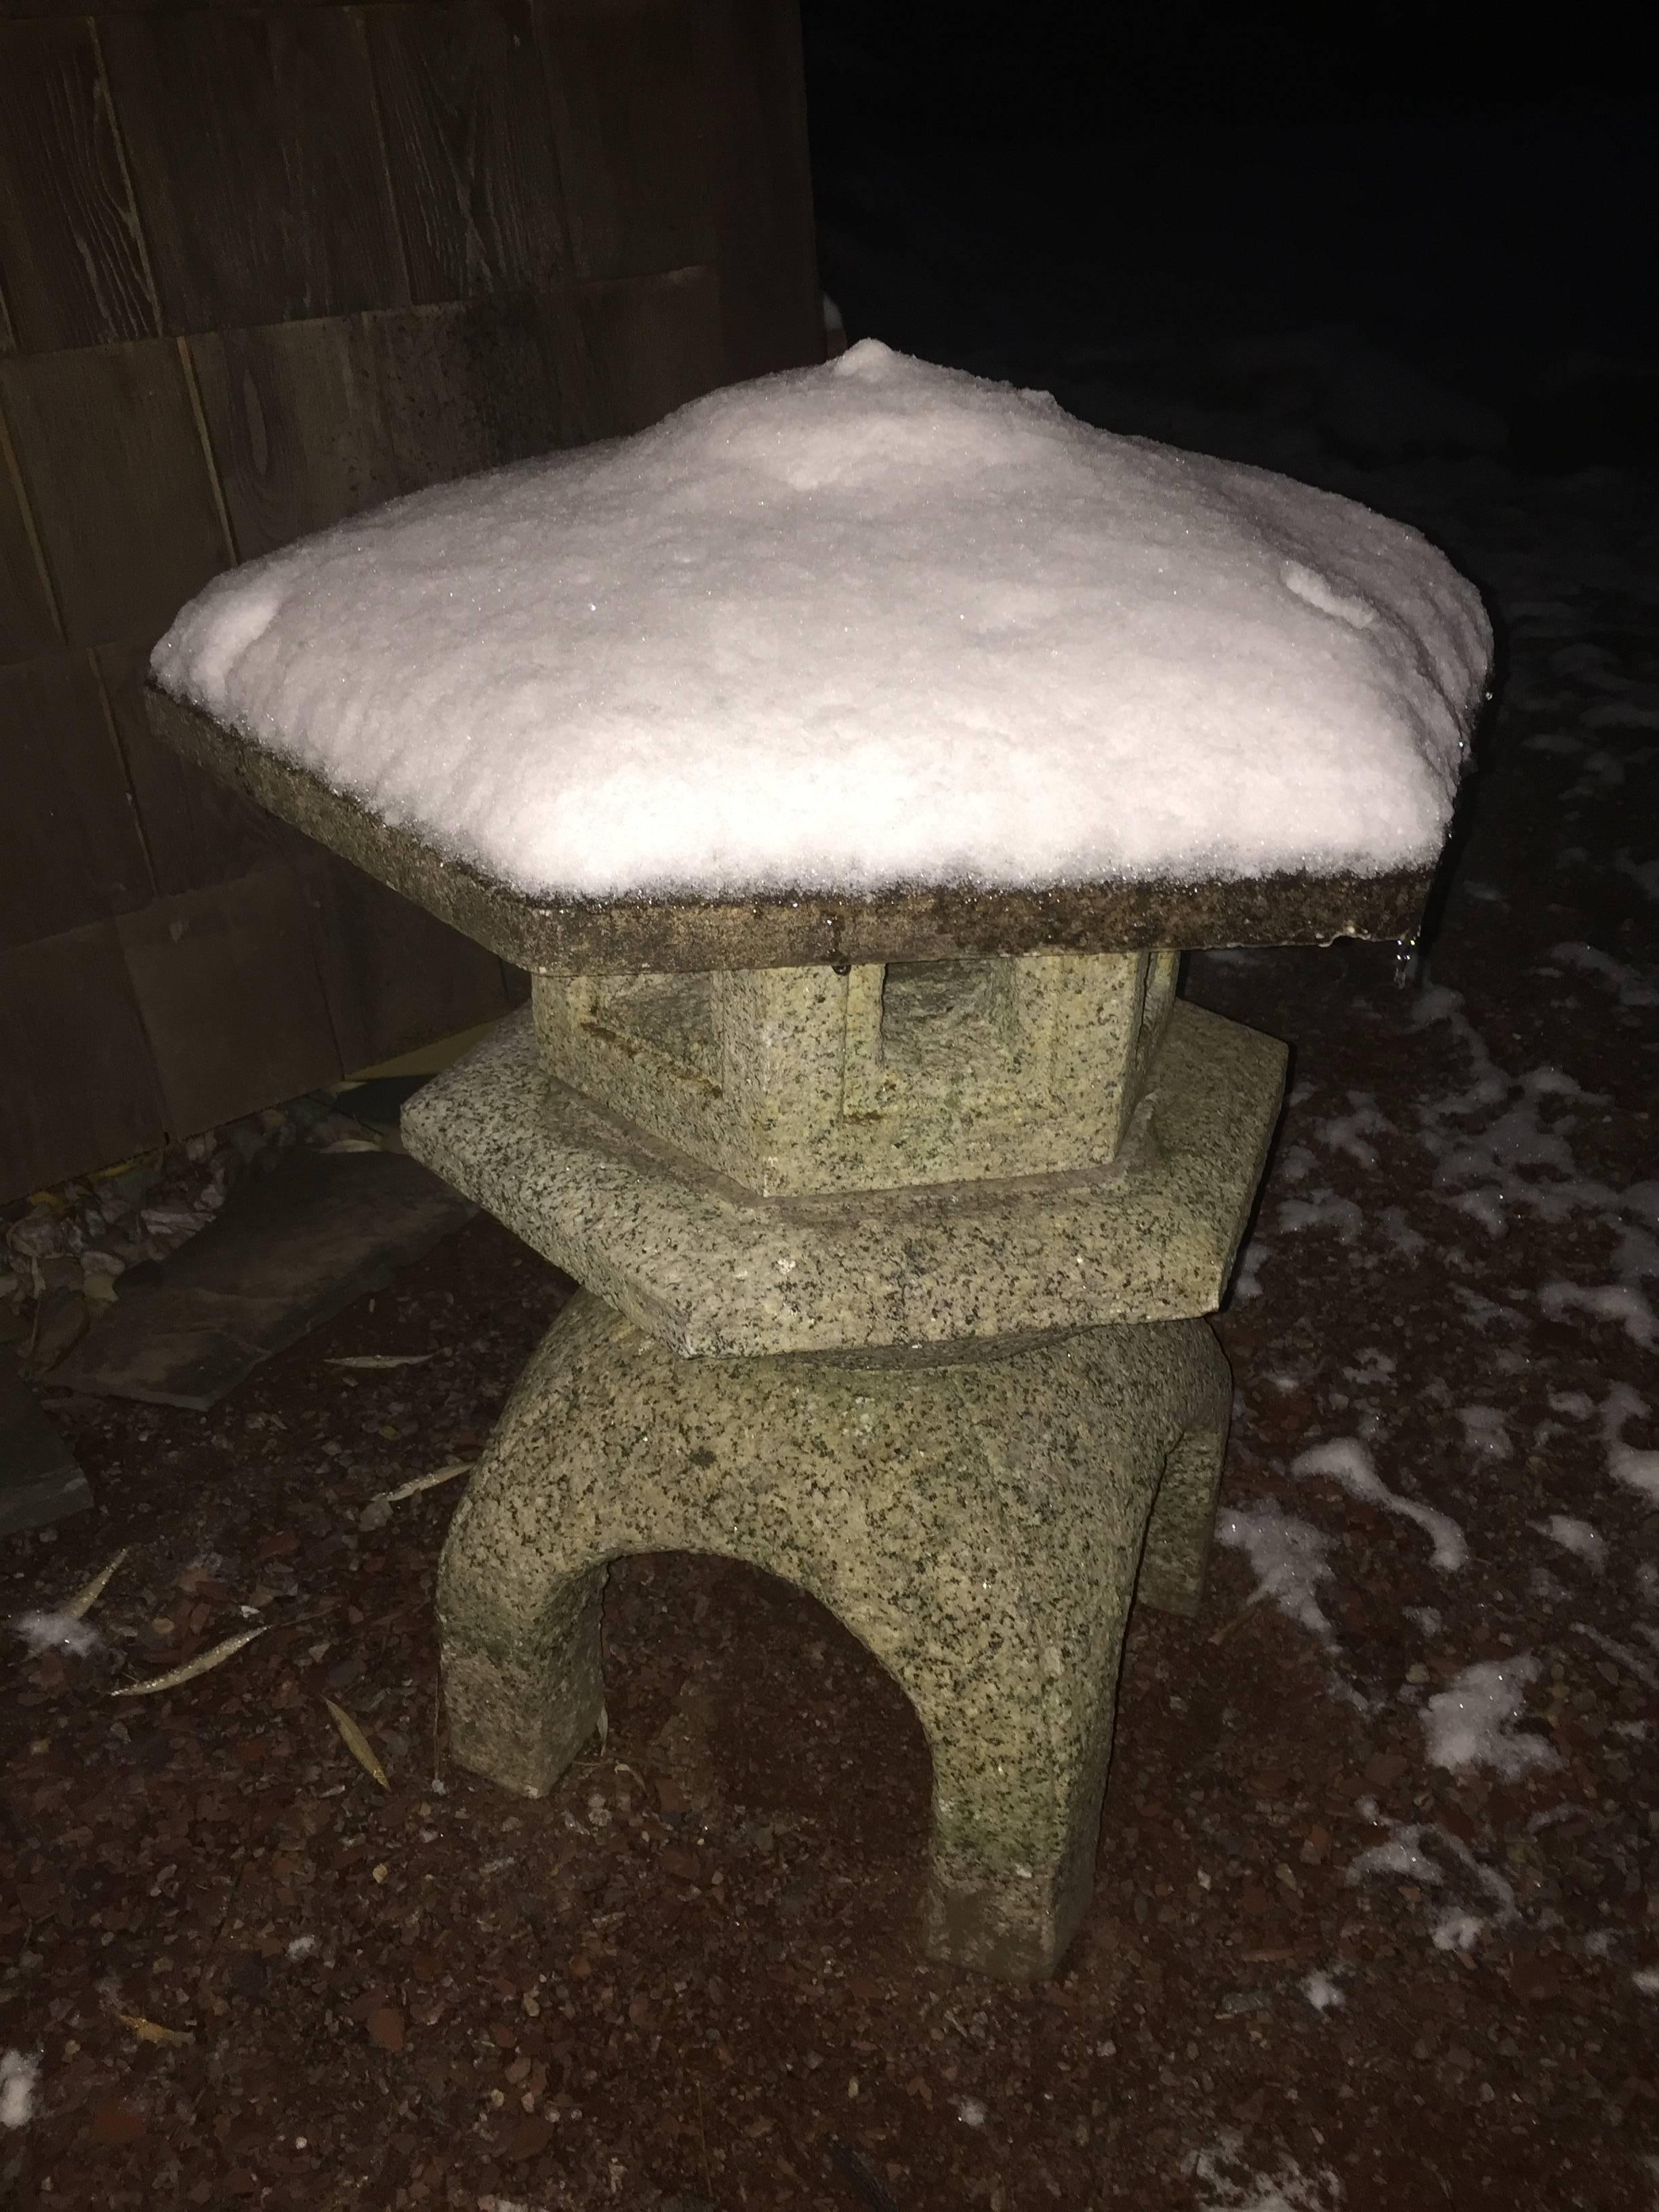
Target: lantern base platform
<point>981,1522</point>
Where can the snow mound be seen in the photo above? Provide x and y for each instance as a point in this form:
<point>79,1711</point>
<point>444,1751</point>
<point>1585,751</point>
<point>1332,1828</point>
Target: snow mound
<point>855,627</point>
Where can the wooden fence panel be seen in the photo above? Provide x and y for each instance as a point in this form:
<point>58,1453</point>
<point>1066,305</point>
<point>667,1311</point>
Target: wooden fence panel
<point>80,1089</point>
<point>475,175</point>
<point>647,345</point>
<point>256,161</point>
<point>69,247</point>
<point>28,625</point>
<point>78,856</point>
<point>261,267</point>
<point>111,464</point>
<point>763,244</point>
<point>228,983</point>
<point>295,428</point>
<point>631,106</point>
<point>393,976</point>
<point>197,831</point>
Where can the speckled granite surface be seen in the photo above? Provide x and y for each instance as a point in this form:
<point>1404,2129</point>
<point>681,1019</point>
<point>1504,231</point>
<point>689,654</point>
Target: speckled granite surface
<point>928,1227</point>
<point>976,1522</point>
<point>711,1270</point>
<point>794,1080</point>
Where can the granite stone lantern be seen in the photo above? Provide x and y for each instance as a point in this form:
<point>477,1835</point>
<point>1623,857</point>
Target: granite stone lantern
<point>896,1212</point>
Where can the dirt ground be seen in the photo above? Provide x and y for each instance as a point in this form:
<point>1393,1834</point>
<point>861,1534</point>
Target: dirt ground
<point>1321,1969</point>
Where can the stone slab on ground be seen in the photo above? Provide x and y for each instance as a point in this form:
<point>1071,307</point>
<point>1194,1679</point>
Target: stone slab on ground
<point>41,1480</point>
<point>289,1250</point>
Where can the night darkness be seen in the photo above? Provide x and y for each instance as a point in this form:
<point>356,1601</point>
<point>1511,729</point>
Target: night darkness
<point>1129,208</point>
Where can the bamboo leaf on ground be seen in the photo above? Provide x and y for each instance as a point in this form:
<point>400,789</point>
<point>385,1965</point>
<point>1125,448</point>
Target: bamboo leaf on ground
<point>151,2031</point>
<point>84,1600</point>
<point>357,1744</point>
<point>202,1664</point>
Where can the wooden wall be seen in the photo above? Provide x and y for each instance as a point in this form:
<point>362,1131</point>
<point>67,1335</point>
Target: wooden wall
<point>260,267</point>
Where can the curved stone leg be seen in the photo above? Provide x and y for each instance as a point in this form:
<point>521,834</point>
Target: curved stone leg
<point>977,1524</point>
<point>1176,1557</point>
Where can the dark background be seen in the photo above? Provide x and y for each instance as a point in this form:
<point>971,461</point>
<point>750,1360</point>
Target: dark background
<point>1239,211</point>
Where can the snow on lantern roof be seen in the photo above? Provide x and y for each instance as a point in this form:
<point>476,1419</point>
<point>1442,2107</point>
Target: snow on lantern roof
<point>846,629</point>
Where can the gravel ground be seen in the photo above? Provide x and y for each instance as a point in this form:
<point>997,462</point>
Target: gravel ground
<point>1339,1957</point>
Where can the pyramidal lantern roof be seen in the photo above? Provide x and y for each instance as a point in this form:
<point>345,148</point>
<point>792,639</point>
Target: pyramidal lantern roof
<point>874,626</point>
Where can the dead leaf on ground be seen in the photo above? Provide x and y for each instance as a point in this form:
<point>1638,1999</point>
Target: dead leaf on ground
<point>84,1600</point>
<point>151,2031</point>
<point>447,1472</point>
<point>202,1583</point>
<point>378,1511</point>
<point>200,1665</point>
<point>378,1362</point>
<point>357,1744</point>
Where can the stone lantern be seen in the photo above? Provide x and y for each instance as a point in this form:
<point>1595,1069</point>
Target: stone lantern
<point>896,1213</point>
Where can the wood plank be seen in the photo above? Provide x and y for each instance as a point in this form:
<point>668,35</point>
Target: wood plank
<point>765,244</point>
<point>311,421</point>
<point>256,157</point>
<point>467,388</point>
<point>295,428</point>
<point>396,977</point>
<point>70,852</point>
<point>69,233</point>
<point>197,830</point>
<point>114,472</point>
<point>227,983</point>
<point>626,81</point>
<point>80,1091</point>
<point>645,346</point>
<point>468,141</point>
<point>28,623</point>
<point>290,1250</point>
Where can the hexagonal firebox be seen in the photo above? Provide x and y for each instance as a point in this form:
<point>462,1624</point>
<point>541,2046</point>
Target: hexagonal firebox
<point>796,1080</point>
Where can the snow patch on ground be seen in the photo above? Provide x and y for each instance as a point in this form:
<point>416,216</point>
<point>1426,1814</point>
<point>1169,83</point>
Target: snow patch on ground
<point>1346,1460</point>
<point>1472,1721</point>
<point>1246,1278</point>
<point>56,1631</point>
<point>19,2076</point>
<point>1632,988</point>
<point>1483,1432</point>
<point>1574,1536</point>
<point>1230,2186</point>
<point>1632,1662</point>
<point>1351,1133</point>
<point>1637,1470</point>
<point>1457,1930</point>
<point>1453,1927</point>
<point>1322,1209</point>
<point>1287,1557</point>
<point>1401,1854</point>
